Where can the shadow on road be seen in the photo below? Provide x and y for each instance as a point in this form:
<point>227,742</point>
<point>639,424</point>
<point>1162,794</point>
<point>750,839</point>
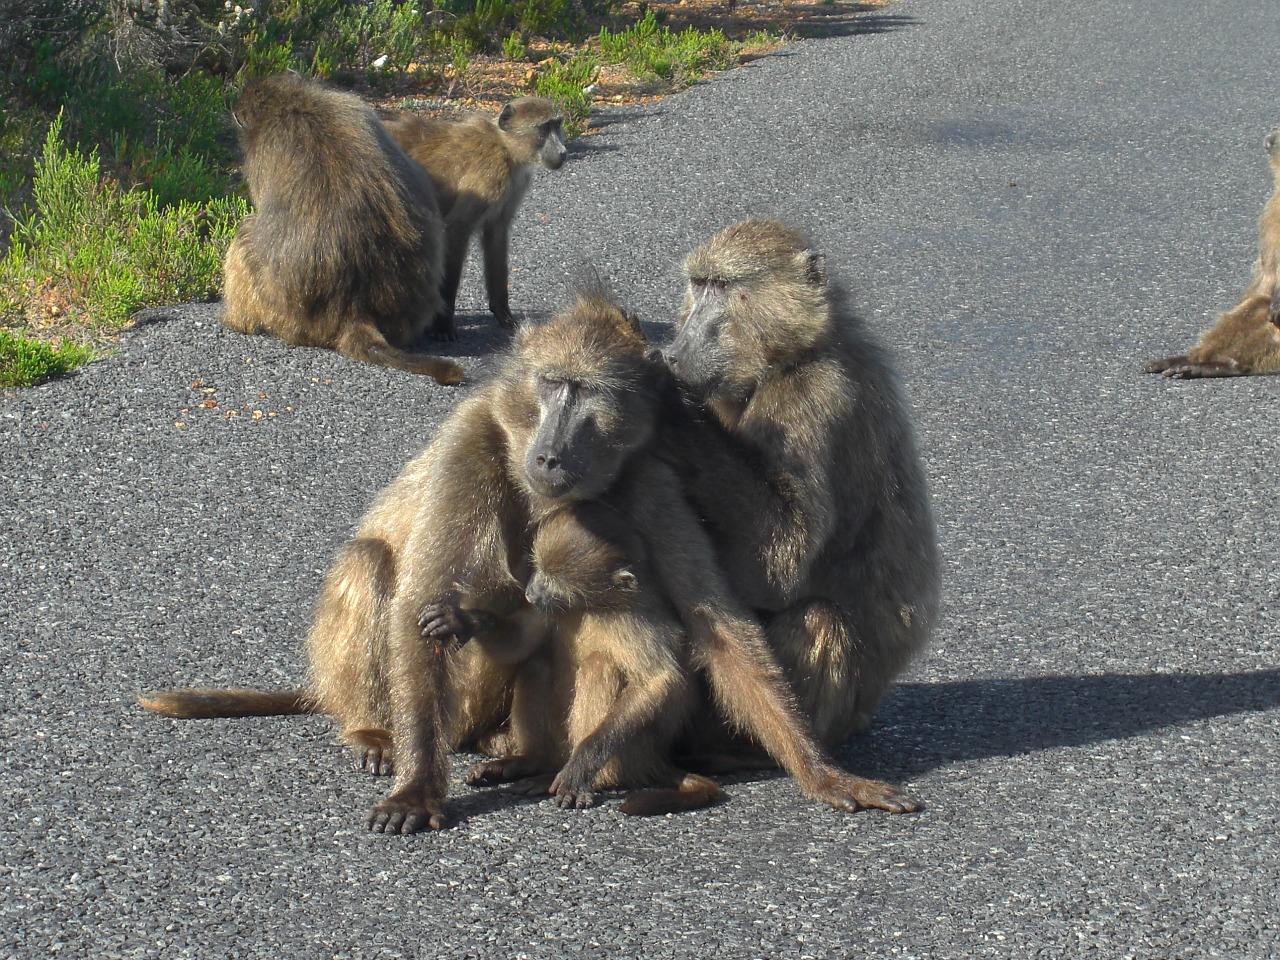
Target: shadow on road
<point>937,724</point>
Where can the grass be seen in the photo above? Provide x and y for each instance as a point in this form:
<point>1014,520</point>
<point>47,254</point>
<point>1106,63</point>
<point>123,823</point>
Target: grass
<point>26,362</point>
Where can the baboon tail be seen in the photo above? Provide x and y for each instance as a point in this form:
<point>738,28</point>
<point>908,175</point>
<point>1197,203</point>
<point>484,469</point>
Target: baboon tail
<point>361,340</point>
<point>693,792</point>
<point>206,703</point>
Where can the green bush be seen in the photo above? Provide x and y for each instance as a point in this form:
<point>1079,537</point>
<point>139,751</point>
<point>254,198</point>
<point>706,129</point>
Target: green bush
<point>26,362</point>
<point>651,50</point>
<point>105,252</point>
<point>568,84</point>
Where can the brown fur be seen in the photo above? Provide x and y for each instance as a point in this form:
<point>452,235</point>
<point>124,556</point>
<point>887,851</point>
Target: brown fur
<point>809,476</point>
<point>444,556</point>
<point>1246,339</point>
<point>481,168</point>
<point>343,249</point>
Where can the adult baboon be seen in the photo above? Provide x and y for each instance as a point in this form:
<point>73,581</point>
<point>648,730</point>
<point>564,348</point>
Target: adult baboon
<point>1246,339</point>
<point>569,417</point>
<point>811,486</point>
<point>343,249</point>
<point>481,169</point>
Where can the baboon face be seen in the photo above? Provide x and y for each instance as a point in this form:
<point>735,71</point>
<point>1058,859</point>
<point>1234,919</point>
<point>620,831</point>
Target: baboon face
<point>595,400</point>
<point>542,123</point>
<point>756,297</point>
<point>577,563</point>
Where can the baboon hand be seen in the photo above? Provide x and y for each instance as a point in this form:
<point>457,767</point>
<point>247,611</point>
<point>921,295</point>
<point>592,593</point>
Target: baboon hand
<point>502,770</point>
<point>572,789</point>
<point>443,328</point>
<point>846,792</point>
<point>506,319</point>
<point>407,810</point>
<point>445,620</point>
<point>1273,314</point>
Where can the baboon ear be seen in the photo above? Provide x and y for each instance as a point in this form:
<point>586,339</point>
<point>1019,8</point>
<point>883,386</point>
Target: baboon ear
<point>815,268</point>
<point>506,116</point>
<point>633,321</point>
<point>626,581</point>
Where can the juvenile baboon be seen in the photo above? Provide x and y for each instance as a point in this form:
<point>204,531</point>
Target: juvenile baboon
<point>1246,339</point>
<point>481,169</point>
<point>570,417</point>
<point>810,481</point>
<point>343,249</point>
<point>604,702</point>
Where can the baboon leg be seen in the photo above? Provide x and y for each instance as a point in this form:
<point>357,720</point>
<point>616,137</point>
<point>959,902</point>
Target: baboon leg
<point>457,243</point>
<point>420,723</point>
<point>359,339</point>
<point>639,704</point>
<point>749,687</point>
<point>346,649</point>
<point>1192,370</point>
<point>242,306</point>
<point>496,239</point>
<point>820,653</point>
<point>597,686</point>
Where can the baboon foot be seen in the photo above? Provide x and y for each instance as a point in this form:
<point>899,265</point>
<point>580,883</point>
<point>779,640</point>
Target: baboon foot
<point>1191,370</point>
<point>407,810</point>
<point>850,793</point>
<point>443,328</point>
<point>372,751</point>
<point>538,786</point>
<point>502,770</point>
<point>571,790</point>
<point>1162,364</point>
<point>506,319</point>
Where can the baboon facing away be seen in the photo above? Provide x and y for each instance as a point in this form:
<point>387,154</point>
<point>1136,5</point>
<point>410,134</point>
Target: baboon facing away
<point>343,249</point>
<point>482,168</point>
<point>813,444</point>
<point>1246,339</point>
<point>569,417</point>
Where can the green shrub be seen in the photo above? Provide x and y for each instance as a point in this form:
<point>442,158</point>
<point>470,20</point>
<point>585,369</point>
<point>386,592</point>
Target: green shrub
<point>24,362</point>
<point>651,50</point>
<point>105,252</point>
<point>568,84</point>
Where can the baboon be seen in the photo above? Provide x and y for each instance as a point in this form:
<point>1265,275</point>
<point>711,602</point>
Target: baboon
<point>604,702</point>
<point>481,169</point>
<point>808,474</point>
<point>446,552</point>
<point>1246,339</point>
<point>343,249</point>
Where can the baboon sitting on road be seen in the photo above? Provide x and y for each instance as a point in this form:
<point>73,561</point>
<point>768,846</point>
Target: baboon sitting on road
<point>1246,339</point>
<point>570,417</point>
<point>343,249</point>
<point>481,169</point>
<point>811,485</point>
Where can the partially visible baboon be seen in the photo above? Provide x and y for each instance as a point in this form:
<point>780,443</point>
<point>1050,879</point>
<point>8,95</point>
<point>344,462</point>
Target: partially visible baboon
<point>811,484</point>
<point>1246,339</point>
<point>343,249</point>
<point>570,417</point>
<point>481,169</point>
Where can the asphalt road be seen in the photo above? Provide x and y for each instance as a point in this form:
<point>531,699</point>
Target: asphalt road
<point>1029,198</point>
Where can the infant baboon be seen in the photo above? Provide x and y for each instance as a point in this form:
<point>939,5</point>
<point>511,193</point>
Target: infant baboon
<point>811,484</point>
<point>343,249</point>
<point>445,553</point>
<point>481,169</point>
<point>1246,339</point>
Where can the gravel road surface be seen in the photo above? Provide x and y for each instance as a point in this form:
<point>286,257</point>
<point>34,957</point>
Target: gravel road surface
<point>1028,199</point>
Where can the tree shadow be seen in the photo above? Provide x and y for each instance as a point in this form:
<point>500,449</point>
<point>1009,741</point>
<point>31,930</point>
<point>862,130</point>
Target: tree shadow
<point>925,726</point>
<point>812,19</point>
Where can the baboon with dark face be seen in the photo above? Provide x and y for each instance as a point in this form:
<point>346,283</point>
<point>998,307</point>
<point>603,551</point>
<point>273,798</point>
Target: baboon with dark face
<point>1246,339</point>
<point>811,484</point>
<point>343,249</point>
<point>481,169</point>
<point>446,550</point>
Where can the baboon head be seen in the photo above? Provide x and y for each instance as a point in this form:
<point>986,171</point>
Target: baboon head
<point>587,395</point>
<point>756,302</point>
<point>538,123</point>
<point>579,560</point>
